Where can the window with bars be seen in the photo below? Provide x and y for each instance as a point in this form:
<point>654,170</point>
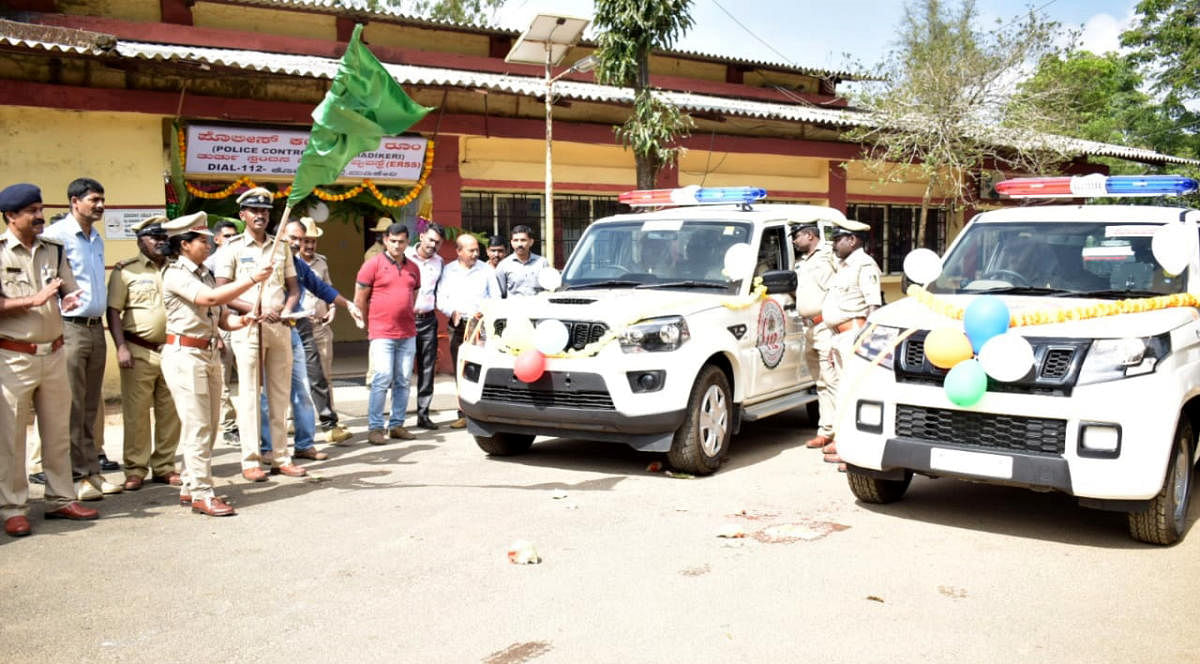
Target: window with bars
<point>495,213</point>
<point>894,231</point>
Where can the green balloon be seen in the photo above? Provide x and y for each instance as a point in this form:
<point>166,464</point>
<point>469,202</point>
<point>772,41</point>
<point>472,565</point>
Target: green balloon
<point>966,383</point>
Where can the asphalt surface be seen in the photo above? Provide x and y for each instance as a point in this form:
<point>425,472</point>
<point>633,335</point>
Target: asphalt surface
<point>398,554</point>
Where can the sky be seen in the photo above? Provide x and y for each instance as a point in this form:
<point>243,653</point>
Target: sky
<point>821,34</point>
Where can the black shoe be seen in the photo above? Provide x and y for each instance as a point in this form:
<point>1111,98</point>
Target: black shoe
<point>426,423</point>
<point>37,478</point>
<point>108,466</point>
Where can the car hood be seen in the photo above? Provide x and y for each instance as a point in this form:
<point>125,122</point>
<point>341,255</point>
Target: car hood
<point>911,313</point>
<point>615,307</point>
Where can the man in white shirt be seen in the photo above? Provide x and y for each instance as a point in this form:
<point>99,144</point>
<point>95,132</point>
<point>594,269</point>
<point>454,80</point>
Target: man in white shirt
<point>424,254</point>
<point>466,283</point>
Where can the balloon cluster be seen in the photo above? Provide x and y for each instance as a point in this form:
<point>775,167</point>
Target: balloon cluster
<point>983,347</point>
<point>550,337</point>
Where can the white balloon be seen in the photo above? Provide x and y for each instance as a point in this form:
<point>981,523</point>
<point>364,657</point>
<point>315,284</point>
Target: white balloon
<point>550,336</point>
<point>549,279</point>
<point>1173,246</point>
<point>922,266</point>
<point>1006,357</point>
<point>739,261</point>
<point>319,212</point>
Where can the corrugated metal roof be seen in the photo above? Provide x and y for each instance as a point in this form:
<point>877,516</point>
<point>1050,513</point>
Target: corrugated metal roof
<point>319,67</point>
<point>363,8</point>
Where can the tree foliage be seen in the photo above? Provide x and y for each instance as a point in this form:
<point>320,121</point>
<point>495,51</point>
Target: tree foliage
<point>1103,99</point>
<point>945,104</point>
<point>460,11</point>
<point>629,31</point>
<point>1167,38</point>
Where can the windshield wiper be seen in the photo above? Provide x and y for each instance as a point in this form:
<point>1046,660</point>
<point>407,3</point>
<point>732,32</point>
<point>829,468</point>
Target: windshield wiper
<point>1117,293</point>
<point>685,284</point>
<point>1021,290</point>
<point>608,283</point>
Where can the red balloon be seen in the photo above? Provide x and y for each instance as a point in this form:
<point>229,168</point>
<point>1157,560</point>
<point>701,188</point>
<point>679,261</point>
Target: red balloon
<point>530,365</point>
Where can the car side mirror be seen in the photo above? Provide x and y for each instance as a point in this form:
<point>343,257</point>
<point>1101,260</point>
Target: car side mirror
<point>779,281</point>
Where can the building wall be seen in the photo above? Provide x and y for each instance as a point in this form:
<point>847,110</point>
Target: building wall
<point>269,21</point>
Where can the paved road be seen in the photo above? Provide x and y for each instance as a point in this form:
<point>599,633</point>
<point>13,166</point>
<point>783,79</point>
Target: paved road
<point>397,554</point>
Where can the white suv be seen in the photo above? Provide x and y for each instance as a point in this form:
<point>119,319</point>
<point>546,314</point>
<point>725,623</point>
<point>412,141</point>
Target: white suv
<point>1110,405</point>
<point>671,346</point>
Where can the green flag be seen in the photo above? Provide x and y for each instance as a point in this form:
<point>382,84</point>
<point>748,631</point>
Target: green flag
<point>363,105</point>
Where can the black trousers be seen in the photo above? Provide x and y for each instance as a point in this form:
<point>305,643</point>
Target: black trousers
<point>456,340</point>
<point>425,363</point>
<point>317,380</point>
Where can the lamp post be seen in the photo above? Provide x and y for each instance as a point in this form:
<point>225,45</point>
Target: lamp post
<point>546,42</point>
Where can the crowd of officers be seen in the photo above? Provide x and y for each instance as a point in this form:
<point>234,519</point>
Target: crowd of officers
<point>837,288</point>
<point>181,317</point>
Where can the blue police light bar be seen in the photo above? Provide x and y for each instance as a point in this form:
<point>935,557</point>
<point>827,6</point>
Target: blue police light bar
<point>1097,185</point>
<point>693,195</point>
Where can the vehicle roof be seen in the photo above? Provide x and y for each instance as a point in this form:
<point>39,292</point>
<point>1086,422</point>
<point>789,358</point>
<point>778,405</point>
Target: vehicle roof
<point>757,213</point>
<point>1084,213</point>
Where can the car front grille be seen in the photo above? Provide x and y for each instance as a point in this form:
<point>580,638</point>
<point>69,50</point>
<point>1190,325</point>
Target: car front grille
<point>988,431</point>
<point>580,333</point>
<point>1057,363</point>
<point>589,400</point>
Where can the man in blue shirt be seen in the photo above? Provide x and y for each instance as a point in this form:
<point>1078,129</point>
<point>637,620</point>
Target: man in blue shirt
<point>83,333</point>
<point>303,413</point>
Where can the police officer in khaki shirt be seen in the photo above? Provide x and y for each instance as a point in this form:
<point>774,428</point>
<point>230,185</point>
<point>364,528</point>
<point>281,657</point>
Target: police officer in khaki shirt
<point>34,274</point>
<point>138,325</point>
<point>190,360</point>
<point>380,230</point>
<point>854,292</point>
<point>320,373</point>
<point>814,270</point>
<point>239,259</point>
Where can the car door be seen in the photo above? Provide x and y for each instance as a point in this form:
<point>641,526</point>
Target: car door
<point>777,354</point>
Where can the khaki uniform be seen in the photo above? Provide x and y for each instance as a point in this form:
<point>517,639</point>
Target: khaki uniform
<point>240,258</point>
<point>853,290</point>
<point>373,250</point>
<point>135,290</point>
<point>33,382</point>
<point>814,273</point>
<point>323,332</point>
<point>193,374</point>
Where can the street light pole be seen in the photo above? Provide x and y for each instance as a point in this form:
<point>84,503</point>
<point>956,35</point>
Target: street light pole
<point>548,232</point>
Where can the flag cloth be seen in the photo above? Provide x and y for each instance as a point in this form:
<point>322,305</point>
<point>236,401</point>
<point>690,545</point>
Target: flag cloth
<point>363,105</point>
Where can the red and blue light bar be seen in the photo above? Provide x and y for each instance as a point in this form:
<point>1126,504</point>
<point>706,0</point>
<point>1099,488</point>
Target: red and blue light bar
<point>1087,186</point>
<point>693,195</point>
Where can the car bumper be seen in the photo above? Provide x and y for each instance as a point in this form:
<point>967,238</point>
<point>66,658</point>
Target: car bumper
<point>1007,438</point>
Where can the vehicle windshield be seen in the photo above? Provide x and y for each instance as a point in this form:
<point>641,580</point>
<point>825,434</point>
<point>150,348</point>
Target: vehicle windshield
<point>1110,260</point>
<point>655,254</point>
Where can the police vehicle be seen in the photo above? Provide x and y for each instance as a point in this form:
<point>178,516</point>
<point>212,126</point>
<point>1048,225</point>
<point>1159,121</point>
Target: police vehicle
<point>1098,394</point>
<point>670,328</point>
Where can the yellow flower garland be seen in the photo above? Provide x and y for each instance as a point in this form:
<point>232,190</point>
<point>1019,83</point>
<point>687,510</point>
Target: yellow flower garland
<point>1082,312</point>
<point>367,183</point>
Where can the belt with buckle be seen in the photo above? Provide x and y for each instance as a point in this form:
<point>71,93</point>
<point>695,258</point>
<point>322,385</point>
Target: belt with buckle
<point>423,314</point>
<point>138,341</point>
<point>190,342</point>
<point>811,322</point>
<point>84,320</point>
<point>852,324</point>
<point>31,349</point>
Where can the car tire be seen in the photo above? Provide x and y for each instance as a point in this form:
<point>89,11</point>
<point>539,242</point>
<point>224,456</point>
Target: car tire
<point>703,438</point>
<point>1165,520</point>
<point>505,444</point>
<point>870,489</point>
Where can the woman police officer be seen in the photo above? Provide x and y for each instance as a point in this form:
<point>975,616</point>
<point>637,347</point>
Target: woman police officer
<point>190,362</point>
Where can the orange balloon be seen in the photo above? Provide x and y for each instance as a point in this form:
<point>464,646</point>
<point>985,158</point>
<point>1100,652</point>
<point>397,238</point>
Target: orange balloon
<point>947,346</point>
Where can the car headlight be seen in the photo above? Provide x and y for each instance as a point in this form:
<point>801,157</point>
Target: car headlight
<point>1113,359</point>
<point>655,335</point>
<point>875,340</point>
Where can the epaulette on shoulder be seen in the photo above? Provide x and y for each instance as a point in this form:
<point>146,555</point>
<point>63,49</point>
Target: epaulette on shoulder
<point>321,256</point>
<point>124,263</point>
<point>51,240</point>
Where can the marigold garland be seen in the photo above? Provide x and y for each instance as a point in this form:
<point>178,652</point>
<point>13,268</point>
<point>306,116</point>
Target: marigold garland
<point>1082,312</point>
<point>367,183</point>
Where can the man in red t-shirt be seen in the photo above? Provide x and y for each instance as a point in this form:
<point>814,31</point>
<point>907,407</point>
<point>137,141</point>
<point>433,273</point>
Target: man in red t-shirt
<point>385,290</point>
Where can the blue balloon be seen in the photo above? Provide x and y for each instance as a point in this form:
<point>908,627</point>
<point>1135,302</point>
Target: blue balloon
<point>985,318</point>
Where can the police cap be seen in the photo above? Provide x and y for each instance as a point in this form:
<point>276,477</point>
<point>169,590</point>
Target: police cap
<point>257,197</point>
<point>19,196</point>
